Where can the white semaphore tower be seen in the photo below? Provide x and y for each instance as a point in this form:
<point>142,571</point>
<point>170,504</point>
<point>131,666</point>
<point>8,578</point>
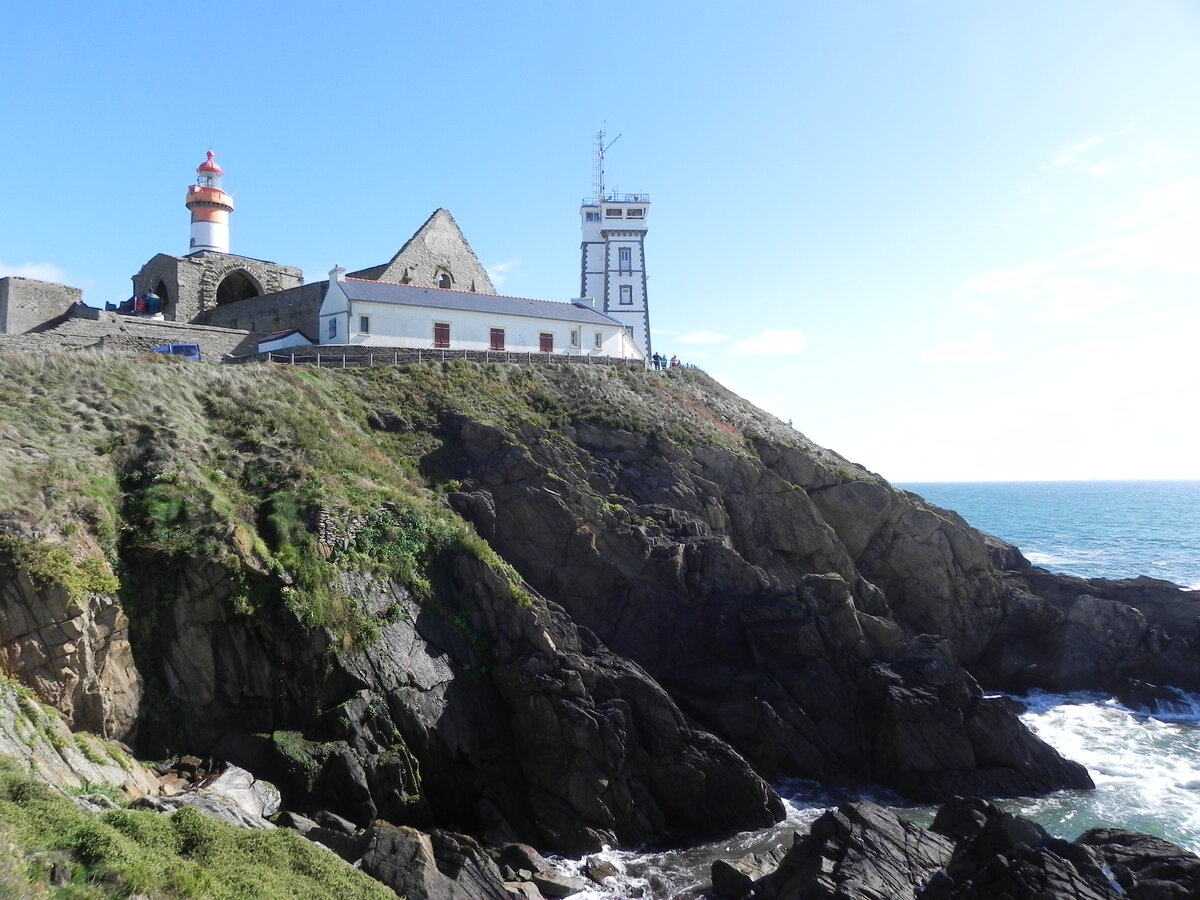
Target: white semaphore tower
<point>210,207</point>
<point>613,251</point>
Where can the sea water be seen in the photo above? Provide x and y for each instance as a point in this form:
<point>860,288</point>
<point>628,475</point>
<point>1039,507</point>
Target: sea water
<point>1095,529</point>
<point>1146,768</point>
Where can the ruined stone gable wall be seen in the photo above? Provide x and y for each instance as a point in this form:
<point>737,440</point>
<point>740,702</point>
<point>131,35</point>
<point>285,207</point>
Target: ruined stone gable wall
<point>179,275</point>
<point>438,246</point>
<point>26,303</point>
<point>294,308</point>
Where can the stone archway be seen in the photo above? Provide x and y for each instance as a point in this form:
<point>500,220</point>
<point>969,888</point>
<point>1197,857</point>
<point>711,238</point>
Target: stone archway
<point>238,285</point>
<point>168,301</point>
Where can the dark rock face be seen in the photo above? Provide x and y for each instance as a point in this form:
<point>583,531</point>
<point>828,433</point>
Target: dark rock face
<point>973,851</point>
<point>441,866</point>
<point>74,653</point>
<point>556,740</point>
<point>1013,625</point>
<point>858,851</point>
<point>998,854</point>
<point>726,583</point>
<point>484,714</point>
<point>1065,633</point>
<point>1146,867</point>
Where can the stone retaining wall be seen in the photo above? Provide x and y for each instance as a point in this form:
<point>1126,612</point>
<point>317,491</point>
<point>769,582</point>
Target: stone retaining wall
<point>26,303</point>
<point>297,307</point>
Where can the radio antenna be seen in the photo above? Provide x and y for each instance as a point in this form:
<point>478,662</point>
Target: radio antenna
<point>598,164</point>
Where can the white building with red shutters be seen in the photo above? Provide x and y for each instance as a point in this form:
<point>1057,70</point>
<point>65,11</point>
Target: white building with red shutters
<point>383,314</point>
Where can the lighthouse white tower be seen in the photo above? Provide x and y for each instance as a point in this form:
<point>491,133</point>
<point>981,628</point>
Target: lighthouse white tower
<point>613,252</point>
<point>210,207</point>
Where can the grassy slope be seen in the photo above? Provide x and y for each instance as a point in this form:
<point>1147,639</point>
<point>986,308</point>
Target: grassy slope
<point>232,463</point>
<point>77,431</point>
<point>186,854</point>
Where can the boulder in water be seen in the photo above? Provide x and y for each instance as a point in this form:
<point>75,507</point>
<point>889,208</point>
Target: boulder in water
<point>1146,867</point>
<point>973,851</point>
<point>857,851</point>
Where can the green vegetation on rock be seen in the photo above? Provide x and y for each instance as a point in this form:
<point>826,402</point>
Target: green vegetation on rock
<point>51,566</point>
<point>184,855</point>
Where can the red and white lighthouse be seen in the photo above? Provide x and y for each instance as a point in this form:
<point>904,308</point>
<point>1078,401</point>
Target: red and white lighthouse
<point>210,207</point>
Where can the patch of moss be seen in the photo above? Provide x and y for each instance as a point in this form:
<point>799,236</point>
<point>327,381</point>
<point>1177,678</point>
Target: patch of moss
<point>90,751</point>
<point>302,758</point>
<point>52,566</point>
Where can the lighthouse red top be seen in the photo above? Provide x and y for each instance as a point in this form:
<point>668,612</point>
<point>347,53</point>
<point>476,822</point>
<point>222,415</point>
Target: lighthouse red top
<point>209,166</point>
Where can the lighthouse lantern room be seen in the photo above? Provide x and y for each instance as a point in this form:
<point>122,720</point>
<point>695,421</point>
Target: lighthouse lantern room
<point>210,207</point>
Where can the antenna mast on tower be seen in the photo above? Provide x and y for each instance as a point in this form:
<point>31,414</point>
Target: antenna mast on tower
<point>598,164</point>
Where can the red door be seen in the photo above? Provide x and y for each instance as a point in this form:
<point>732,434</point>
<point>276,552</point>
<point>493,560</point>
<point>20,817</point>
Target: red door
<point>441,335</point>
<point>546,342</point>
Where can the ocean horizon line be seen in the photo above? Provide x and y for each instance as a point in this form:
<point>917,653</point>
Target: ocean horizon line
<point>907,481</point>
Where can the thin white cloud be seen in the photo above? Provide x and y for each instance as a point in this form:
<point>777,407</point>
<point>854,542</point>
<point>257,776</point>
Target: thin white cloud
<point>1168,246</point>
<point>1087,352</point>
<point>40,271</point>
<point>702,337</point>
<point>1105,156</point>
<point>1159,238</point>
<point>1057,292</point>
<point>1162,205</point>
<point>1076,299</point>
<point>499,272</point>
<point>973,351</point>
<point>983,308</point>
<point>772,342</point>
<point>1006,281</point>
<point>1074,155</point>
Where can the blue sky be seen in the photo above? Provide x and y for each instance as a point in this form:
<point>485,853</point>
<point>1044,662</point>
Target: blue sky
<point>951,240</point>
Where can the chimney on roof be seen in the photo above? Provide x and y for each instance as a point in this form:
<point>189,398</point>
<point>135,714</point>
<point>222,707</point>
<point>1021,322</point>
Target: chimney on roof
<point>337,273</point>
<point>584,302</point>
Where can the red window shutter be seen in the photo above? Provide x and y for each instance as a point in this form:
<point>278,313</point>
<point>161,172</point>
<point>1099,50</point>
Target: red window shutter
<point>497,339</point>
<point>441,335</point>
<point>546,342</point>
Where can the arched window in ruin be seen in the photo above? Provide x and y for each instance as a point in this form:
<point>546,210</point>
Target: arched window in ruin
<point>444,279</point>
<point>168,302</point>
<point>237,285</point>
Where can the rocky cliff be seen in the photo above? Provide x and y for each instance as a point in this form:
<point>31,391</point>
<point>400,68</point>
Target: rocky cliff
<point>562,606</point>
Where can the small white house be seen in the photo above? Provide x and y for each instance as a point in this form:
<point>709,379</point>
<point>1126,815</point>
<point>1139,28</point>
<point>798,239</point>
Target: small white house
<point>379,314</point>
<point>284,340</point>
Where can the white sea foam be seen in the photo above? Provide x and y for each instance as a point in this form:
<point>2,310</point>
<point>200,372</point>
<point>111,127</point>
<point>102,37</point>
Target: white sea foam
<point>684,873</point>
<point>1047,560</point>
<point>1146,767</point>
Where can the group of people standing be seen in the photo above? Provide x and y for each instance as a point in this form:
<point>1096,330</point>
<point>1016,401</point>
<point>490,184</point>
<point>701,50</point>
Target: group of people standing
<point>660,362</point>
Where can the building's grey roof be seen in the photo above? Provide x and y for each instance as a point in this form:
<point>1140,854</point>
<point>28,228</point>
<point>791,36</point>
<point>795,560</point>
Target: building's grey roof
<point>279,335</point>
<point>440,298</point>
